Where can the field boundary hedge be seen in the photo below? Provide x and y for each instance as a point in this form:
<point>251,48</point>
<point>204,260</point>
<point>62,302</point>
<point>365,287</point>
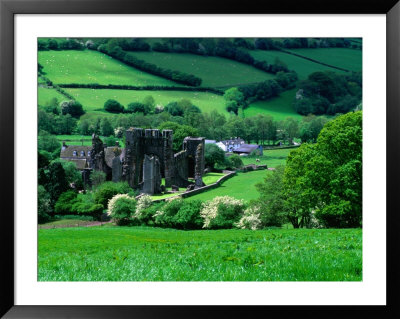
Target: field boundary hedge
<point>315,61</point>
<point>139,88</point>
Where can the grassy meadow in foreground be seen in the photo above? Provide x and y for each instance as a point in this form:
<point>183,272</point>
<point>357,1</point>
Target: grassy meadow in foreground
<point>108,253</point>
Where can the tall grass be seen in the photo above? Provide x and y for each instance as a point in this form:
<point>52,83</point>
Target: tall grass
<point>152,254</point>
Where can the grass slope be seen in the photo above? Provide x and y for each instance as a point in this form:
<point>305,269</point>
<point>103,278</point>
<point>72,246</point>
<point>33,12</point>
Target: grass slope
<point>93,100</point>
<point>302,66</point>
<point>241,186</point>
<point>45,95</point>
<point>151,254</point>
<point>279,108</point>
<point>349,59</point>
<point>214,71</point>
<point>272,158</point>
<point>87,66</point>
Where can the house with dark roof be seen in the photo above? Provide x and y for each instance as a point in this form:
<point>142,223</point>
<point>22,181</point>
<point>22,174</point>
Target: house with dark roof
<point>247,149</point>
<point>230,145</point>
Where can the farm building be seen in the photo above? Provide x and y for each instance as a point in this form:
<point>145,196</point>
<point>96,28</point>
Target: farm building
<point>247,149</point>
<point>230,145</point>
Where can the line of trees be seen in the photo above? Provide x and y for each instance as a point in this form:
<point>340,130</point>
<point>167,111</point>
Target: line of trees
<point>113,49</point>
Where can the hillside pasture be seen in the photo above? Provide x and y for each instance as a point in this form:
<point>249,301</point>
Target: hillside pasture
<point>214,71</point>
<point>349,59</point>
<point>271,158</point>
<point>86,67</point>
<point>241,186</point>
<point>93,100</point>
<point>111,253</point>
<point>279,107</point>
<point>301,66</point>
<point>45,95</point>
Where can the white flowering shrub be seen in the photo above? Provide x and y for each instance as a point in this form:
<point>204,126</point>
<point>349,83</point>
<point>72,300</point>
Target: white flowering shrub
<point>143,202</point>
<point>221,212</point>
<point>250,220</point>
<point>121,208</point>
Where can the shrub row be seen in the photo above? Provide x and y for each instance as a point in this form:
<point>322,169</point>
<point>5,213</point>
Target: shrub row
<point>177,76</point>
<point>144,88</point>
<point>222,212</point>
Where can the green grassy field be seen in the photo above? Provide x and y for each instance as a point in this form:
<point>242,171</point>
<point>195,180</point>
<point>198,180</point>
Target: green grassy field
<point>85,140</point>
<point>214,71</point>
<point>240,187</point>
<point>208,178</point>
<point>45,95</point>
<point>110,253</point>
<point>349,59</point>
<point>279,108</point>
<point>302,66</point>
<point>271,158</point>
<point>93,100</point>
<point>87,66</point>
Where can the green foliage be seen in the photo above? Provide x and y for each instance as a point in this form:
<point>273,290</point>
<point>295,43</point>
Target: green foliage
<point>327,177</point>
<point>188,216</point>
<point>48,143</point>
<point>235,161</point>
<point>104,192</point>
<point>137,107</point>
<point>72,107</point>
<point>97,178</point>
<point>213,155</point>
<point>121,209</point>
<point>106,128</point>
<point>271,203</point>
<point>113,106</point>
<point>65,202</point>
<point>166,217</point>
<point>44,205</point>
<point>180,132</point>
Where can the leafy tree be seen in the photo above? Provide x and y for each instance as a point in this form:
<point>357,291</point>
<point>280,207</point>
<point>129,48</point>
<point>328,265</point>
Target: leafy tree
<point>74,108</point>
<point>235,161</point>
<point>180,132</point>
<point>84,127</point>
<point>327,177</point>
<point>44,205</point>
<point>213,155</point>
<point>48,142</point>
<point>174,109</point>
<point>149,102</point>
<point>106,128</point>
<point>234,99</point>
<point>97,178</point>
<point>113,106</point>
<point>272,202</point>
<point>137,107</point>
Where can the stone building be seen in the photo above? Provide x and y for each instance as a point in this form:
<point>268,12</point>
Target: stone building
<point>146,159</point>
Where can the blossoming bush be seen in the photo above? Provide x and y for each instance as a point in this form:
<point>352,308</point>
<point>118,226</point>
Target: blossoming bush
<point>121,208</point>
<point>222,212</point>
<point>250,220</point>
<point>142,214</point>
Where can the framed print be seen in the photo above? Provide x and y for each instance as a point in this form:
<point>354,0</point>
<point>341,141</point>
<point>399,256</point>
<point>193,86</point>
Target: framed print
<point>168,158</point>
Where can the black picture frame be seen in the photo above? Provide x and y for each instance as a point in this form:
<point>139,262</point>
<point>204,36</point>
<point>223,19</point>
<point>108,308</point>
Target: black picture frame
<point>8,8</point>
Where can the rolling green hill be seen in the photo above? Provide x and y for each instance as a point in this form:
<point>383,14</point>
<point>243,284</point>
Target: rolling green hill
<point>302,66</point>
<point>45,95</point>
<point>349,59</point>
<point>85,67</point>
<point>279,107</point>
<point>214,71</point>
